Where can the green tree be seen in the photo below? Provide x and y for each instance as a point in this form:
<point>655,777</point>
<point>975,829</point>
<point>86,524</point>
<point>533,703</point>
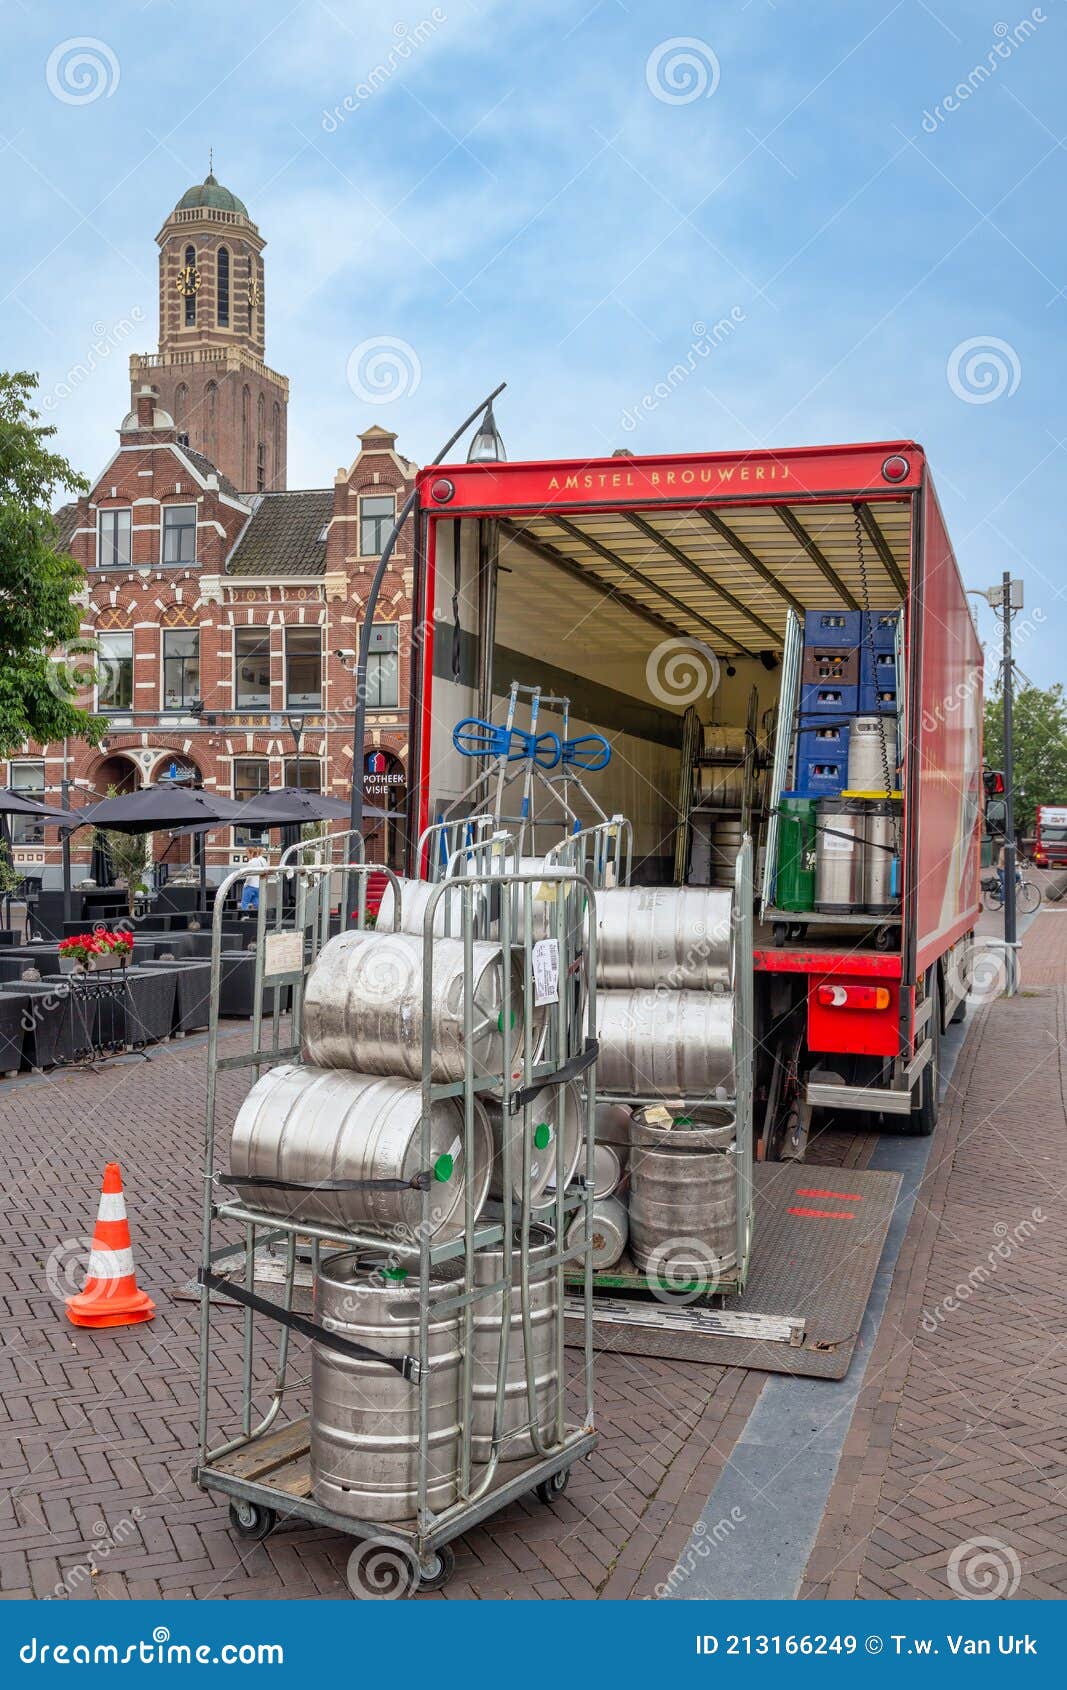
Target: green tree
<point>39,620</point>
<point>1039,741</point>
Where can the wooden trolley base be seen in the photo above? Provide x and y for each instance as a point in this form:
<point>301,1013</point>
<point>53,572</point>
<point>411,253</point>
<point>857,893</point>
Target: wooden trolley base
<point>273,1472</point>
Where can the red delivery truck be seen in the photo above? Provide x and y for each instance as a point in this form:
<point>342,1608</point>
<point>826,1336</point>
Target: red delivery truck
<point>1050,836</point>
<point>798,611</point>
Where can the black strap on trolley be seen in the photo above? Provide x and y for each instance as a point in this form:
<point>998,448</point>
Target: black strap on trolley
<point>417,1182</point>
<point>409,1367</point>
<point>559,1076</point>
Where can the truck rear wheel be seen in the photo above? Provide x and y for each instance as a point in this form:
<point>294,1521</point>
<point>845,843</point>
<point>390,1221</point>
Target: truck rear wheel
<point>927,1100</point>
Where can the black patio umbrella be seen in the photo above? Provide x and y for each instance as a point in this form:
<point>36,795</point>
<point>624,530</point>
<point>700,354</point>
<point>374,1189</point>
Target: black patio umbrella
<point>101,868</point>
<point>161,808</point>
<point>14,804</point>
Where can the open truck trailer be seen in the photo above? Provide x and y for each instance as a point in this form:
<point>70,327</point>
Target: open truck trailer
<point>610,582</point>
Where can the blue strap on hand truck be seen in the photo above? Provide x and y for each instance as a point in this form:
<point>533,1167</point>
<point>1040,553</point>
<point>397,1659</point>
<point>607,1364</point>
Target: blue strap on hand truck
<point>589,751</point>
<point>474,737</point>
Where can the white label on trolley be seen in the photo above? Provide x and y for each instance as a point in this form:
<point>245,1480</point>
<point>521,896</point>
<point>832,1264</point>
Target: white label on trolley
<point>838,844</point>
<point>546,971</point>
<point>283,953</point>
<point>455,1147</point>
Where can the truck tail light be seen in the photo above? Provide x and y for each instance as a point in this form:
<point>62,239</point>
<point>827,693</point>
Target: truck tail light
<point>853,997</point>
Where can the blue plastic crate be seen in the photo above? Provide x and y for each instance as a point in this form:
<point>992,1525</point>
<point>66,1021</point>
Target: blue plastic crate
<point>877,701</point>
<point>828,743</point>
<point>884,626</point>
<point>833,627</point>
<point>824,698</point>
<point>878,668</point>
<point>822,777</point>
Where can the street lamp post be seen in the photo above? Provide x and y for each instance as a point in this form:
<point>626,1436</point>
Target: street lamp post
<point>1007,598</point>
<point>359,715</point>
<point>296,728</point>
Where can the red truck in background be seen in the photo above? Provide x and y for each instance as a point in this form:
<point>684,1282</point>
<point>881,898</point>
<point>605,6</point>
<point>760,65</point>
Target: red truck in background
<point>589,576</point>
<point>1050,836</point>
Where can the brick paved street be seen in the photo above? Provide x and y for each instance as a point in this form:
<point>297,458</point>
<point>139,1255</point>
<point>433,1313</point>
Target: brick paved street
<point>958,1432</point>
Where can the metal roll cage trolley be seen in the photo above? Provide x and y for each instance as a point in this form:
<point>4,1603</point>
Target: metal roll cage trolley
<point>263,1465</point>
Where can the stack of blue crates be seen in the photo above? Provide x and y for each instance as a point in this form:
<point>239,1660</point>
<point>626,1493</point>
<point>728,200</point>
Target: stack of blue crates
<point>827,706</point>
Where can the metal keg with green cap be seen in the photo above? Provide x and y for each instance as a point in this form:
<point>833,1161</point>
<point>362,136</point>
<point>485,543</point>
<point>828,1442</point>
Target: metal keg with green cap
<point>795,883</point>
<point>542,1304</point>
<point>306,1127</point>
<point>683,1192</point>
<point>363,1007</point>
<point>364,1414</point>
<point>554,1112</point>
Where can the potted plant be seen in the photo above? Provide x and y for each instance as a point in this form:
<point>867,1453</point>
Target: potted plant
<point>98,949</point>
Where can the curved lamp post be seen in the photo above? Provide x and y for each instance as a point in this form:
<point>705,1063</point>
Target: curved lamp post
<point>487,435</point>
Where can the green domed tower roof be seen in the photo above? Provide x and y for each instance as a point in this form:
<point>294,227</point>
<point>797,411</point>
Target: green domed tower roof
<point>210,194</point>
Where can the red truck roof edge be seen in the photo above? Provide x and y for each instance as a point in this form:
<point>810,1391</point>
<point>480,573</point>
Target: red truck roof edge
<point>764,454</point>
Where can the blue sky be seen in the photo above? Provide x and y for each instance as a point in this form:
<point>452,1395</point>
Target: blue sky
<point>569,197</point>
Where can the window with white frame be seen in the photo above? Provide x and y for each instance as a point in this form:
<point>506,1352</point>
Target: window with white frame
<point>383,667</point>
<point>27,779</point>
<point>377,513</point>
<point>303,668</point>
<point>181,668</point>
<point>113,530</point>
<point>304,772</point>
<point>114,671</point>
<point>251,776</point>
<point>251,668</point>
<point>179,533</point>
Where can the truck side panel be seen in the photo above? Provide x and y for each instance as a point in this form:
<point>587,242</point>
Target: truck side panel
<point>946,809</point>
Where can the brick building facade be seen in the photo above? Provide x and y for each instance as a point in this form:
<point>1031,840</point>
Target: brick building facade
<point>225,620</point>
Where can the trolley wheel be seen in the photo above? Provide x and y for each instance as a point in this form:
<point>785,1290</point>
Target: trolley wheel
<point>550,1490</point>
<point>250,1519</point>
<point>440,1569</point>
<point>779,933</point>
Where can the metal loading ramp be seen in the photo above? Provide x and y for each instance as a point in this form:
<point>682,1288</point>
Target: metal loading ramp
<point>819,1234</point>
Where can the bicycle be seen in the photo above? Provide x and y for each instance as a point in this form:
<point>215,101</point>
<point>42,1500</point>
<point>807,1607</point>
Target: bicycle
<point>1027,894</point>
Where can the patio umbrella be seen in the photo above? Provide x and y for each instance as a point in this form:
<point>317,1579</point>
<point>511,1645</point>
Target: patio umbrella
<point>101,868</point>
<point>162,808</point>
<point>14,804</point>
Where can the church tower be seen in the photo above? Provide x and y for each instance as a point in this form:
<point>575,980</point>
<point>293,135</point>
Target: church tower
<point>209,371</point>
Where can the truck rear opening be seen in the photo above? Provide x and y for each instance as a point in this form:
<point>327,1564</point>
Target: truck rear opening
<point>667,600</point>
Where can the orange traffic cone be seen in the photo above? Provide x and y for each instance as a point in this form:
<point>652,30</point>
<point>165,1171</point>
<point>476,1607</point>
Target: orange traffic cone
<point>111,1297</point>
